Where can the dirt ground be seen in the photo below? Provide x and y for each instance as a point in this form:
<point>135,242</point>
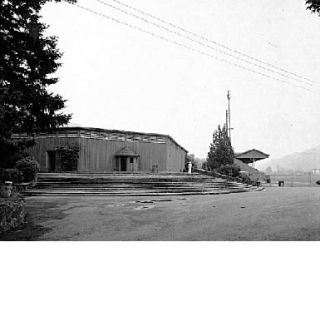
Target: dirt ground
<point>273,214</point>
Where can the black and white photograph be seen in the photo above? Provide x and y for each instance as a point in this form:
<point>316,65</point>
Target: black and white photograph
<point>159,121</point>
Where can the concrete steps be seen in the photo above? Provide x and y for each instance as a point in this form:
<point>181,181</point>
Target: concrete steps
<point>133,184</point>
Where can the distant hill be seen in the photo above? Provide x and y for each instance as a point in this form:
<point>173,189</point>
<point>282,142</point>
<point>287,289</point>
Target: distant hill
<point>298,161</point>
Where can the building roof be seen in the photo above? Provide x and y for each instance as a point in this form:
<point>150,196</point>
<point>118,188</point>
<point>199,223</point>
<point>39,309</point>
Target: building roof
<point>111,134</point>
<point>251,155</point>
<point>126,152</point>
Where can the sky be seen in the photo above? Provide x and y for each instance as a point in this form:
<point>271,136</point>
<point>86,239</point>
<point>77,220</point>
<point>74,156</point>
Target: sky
<point>117,77</point>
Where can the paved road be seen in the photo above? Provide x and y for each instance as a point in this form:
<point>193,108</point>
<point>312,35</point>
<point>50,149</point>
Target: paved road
<point>273,214</point>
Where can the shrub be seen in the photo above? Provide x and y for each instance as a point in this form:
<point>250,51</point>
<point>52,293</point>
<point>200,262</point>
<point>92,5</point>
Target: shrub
<point>205,166</point>
<point>29,168</point>
<point>230,170</point>
<point>12,174</point>
<point>12,213</point>
<point>246,179</point>
<point>69,156</point>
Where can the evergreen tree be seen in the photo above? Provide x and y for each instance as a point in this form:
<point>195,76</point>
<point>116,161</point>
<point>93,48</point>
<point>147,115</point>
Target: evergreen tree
<point>28,59</point>
<point>313,6</point>
<point>221,152</point>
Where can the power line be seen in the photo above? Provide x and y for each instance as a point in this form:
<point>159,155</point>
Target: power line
<point>203,44</point>
<point>188,47</point>
<point>212,41</point>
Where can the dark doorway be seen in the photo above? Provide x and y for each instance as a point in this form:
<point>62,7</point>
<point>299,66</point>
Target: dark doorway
<point>51,161</point>
<point>123,164</point>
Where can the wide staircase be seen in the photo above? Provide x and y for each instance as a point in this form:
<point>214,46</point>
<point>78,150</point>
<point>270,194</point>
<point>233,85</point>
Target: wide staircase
<point>68,184</point>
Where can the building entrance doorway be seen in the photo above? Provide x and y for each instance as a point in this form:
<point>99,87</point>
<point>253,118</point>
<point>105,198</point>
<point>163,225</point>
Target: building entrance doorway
<point>126,160</point>
<point>51,161</point>
<point>123,164</point>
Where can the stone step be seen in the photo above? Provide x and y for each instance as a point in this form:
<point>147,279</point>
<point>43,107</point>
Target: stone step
<point>141,191</point>
<point>133,184</point>
<point>116,177</point>
<point>188,188</point>
<point>101,174</point>
<point>142,186</point>
<point>149,184</point>
<point>134,193</point>
<point>140,179</point>
<point>136,181</point>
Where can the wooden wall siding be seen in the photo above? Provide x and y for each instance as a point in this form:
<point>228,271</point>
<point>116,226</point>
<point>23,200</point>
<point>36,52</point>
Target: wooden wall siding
<point>98,149</point>
<point>47,143</point>
<point>98,155</point>
<point>175,157</point>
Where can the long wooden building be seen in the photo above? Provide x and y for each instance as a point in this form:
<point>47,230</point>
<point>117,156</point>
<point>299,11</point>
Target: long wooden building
<point>102,150</point>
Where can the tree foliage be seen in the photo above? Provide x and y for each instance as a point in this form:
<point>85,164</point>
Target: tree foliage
<point>221,152</point>
<point>11,152</point>
<point>313,6</point>
<point>28,60</point>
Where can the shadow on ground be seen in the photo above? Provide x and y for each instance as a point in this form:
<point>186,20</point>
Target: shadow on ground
<point>34,227</point>
<point>27,232</point>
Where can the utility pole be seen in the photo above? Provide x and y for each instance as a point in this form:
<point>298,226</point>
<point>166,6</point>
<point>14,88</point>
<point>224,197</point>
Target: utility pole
<point>228,116</point>
<point>227,122</point>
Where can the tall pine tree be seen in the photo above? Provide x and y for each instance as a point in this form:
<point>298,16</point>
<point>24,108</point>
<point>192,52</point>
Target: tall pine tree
<point>28,60</point>
<point>221,152</point>
<point>313,6</point>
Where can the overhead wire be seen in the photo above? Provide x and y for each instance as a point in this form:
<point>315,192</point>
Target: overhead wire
<point>203,44</point>
<point>188,47</point>
<point>211,41</point>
